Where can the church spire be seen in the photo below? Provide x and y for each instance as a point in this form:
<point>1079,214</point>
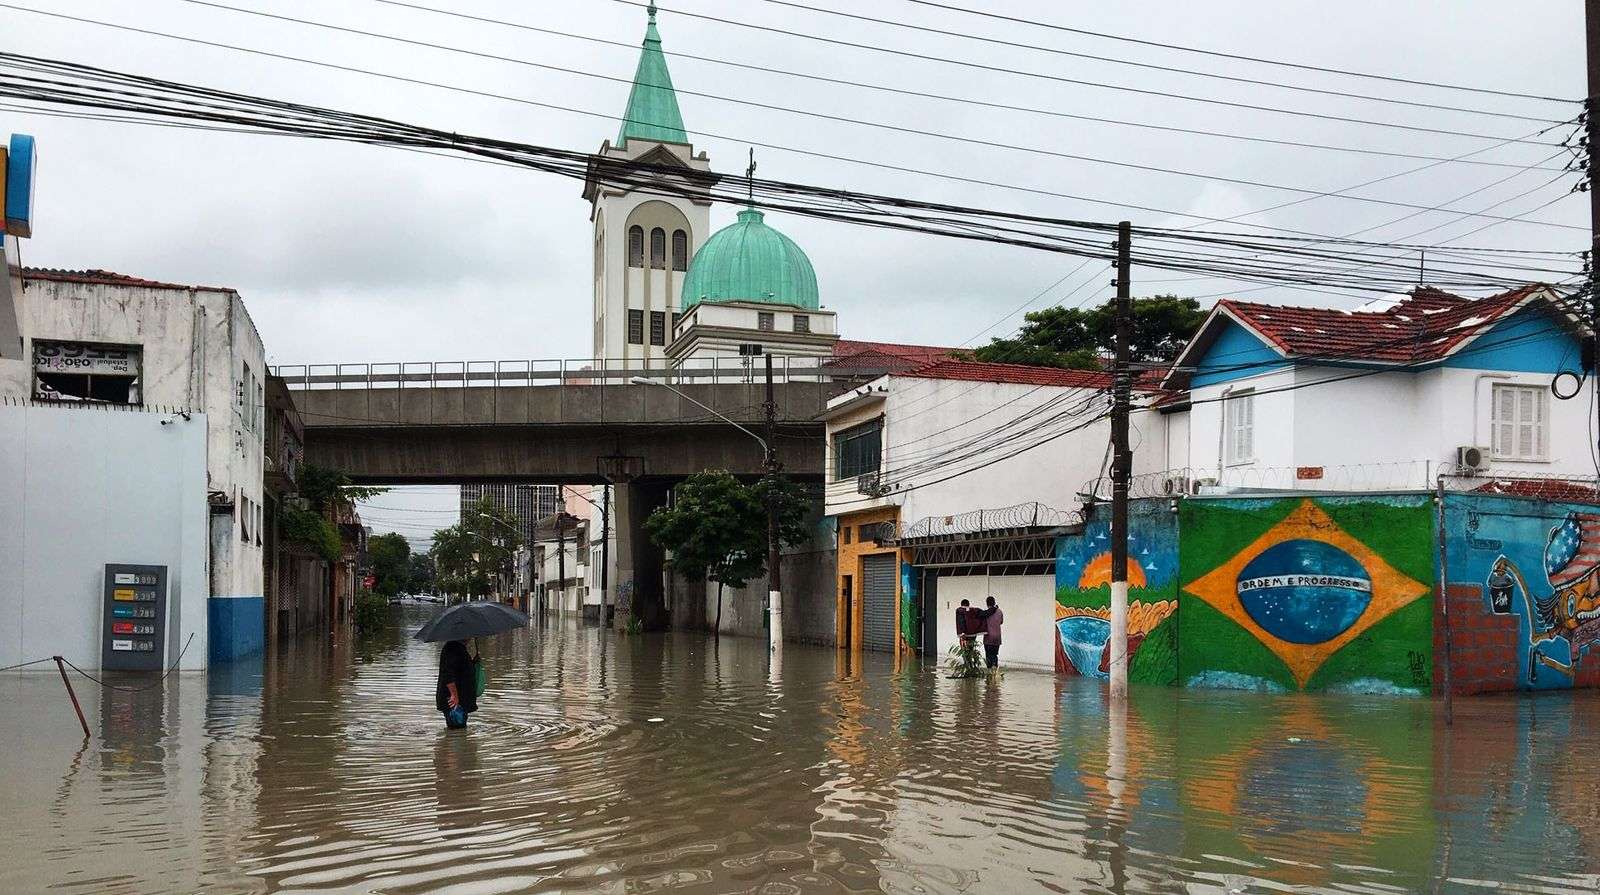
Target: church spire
<point>652,105</point>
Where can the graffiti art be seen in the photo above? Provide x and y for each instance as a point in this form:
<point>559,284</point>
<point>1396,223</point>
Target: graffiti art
<point>1083,598</point>
<point>1563,615</point>
<point>1276,589</point>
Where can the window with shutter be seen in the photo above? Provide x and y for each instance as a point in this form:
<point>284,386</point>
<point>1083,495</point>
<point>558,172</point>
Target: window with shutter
<point>1240,426</point>
<point>635,327</point>
<point>658,327</point>
<point>802,323</point>
<point>764,320</point>
<point>1519,417</point>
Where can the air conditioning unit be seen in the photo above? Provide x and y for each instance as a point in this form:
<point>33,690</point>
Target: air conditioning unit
<point>1174,485</point>
<point>1470,459</point>
<point>870,484</point>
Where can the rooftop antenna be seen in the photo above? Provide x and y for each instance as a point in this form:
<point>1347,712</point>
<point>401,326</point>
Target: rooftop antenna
<point>750,179</point>
<point>1422,264</point>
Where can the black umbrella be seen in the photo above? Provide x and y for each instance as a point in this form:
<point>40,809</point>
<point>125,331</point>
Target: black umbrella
<point>477,619</point>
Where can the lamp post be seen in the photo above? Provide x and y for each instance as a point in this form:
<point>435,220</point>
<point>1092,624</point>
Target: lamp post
<point>770,456</point>
<point>561,551</point>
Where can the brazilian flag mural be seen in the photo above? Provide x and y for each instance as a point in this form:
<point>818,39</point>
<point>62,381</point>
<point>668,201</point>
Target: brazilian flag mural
<point>1324,593</point>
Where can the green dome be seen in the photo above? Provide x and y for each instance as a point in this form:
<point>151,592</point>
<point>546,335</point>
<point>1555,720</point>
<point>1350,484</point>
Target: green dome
<point>749,261</point>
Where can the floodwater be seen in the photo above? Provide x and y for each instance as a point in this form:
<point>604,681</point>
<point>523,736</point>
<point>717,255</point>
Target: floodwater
<point>629,765</point>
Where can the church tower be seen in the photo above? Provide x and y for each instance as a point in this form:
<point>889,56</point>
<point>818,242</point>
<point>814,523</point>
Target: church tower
<point>645,234</point>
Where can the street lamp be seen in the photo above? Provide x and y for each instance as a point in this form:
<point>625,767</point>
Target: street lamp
<point>774,576</point>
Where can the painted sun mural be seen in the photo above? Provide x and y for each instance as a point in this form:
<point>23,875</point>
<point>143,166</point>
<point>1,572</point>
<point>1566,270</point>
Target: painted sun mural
<point>1083,598</point>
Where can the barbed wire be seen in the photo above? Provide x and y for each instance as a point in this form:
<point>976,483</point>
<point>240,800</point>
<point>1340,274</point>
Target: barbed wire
<point>1031,514</point>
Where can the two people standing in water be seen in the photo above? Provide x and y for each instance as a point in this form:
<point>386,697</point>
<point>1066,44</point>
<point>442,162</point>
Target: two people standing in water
<point>971,622</point>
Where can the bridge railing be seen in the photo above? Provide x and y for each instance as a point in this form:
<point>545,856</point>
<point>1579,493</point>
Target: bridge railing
<point>583,371</point>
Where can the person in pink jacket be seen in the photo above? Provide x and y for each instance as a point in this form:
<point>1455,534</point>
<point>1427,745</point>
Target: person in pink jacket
<point>992,618</point>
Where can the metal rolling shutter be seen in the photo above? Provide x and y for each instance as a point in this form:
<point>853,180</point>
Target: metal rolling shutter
<point>878,602</point>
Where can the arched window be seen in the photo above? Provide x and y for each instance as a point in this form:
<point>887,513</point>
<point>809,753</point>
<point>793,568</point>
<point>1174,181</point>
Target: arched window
<point>680,250</point>
<point>658,248</point>
<point>636,246</point>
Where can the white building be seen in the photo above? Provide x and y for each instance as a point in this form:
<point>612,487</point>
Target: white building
<point>955,447</point>
<point>1315,398</point>
<point>95,339</point>
<point>644,233</point>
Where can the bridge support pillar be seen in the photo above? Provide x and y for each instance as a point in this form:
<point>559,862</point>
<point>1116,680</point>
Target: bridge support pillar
<point>639,588</point>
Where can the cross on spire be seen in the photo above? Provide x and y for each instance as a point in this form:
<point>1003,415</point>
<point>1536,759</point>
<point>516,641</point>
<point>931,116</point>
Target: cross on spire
<point>750,178</point>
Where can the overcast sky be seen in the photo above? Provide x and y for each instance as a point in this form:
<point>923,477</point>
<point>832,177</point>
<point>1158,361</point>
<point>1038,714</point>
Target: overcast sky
<point>351,253</point>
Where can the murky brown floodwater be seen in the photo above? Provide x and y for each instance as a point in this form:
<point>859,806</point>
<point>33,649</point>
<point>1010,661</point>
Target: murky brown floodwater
<point>644,764</point>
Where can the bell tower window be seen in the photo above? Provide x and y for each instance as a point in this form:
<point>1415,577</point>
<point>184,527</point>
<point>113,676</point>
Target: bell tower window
<point>636,246</point>
<point>658,248</point>
<point>680,250</point>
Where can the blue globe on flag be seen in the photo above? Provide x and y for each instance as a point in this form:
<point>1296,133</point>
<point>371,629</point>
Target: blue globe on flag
<point>1304,591</point>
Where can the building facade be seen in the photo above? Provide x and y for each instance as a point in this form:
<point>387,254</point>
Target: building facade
<point>104,340</point>
<point>526,504</point>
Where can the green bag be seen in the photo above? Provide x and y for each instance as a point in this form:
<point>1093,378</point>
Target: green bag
<point>480,676</point>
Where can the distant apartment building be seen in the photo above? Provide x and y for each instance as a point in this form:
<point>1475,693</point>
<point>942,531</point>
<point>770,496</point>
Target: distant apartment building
<point>179,357</point>
<point>527,504</point>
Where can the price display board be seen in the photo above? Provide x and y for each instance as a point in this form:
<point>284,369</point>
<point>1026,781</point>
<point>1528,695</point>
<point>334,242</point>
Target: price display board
<point>135,622</point>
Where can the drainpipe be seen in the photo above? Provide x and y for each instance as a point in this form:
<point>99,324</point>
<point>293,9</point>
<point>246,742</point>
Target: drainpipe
<point>1222,427</point>
<point>1473,437</point>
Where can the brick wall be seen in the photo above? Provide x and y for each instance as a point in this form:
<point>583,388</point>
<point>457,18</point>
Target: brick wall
<point>1484,654</point>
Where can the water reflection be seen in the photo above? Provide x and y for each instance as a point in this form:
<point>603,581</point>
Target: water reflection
<point>645,763</point>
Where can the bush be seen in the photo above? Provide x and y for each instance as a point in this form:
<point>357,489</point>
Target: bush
<point>372,610</point>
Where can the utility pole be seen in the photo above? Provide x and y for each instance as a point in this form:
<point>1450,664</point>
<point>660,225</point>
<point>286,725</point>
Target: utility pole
<point>774,574</point>
<point>605,555</point>
<point>561,552</point>
<point>1591,30</point>
<point>1122,465</point>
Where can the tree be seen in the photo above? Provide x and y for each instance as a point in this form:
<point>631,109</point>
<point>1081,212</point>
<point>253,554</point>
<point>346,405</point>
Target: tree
<point>716,527</point>
<point>420,578</point>
<point>391,563</point>
<point>1075,338</point>
<point>467,555</point>
<point>325,491</point>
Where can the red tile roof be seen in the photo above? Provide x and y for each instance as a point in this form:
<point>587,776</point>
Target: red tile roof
<point>893,357</point>
<point>976,371</point>
<point>105,278</point>
<point>1426,325</point>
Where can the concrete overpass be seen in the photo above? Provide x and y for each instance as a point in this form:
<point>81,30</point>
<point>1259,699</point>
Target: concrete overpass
<point>563,423</point>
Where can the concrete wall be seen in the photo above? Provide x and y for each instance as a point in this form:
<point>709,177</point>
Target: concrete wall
<point>1028,636</point>
<point>808,604</point>
<point>83,487</point>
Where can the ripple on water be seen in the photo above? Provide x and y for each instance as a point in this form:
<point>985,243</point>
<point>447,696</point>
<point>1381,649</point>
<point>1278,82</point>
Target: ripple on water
<point>647,764</point>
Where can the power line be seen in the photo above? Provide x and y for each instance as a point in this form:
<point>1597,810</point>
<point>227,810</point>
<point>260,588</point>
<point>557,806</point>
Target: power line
<point>964,35</point>
<point>1242,58</point>
<point>524,101</point>
<point>1075,81</point>
<point>843,119</point>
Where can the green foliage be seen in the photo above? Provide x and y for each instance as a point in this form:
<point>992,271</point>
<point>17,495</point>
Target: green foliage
<point>963,660</point>
<point>324,488</point>
<point>1156,659</point>
<point>1072,337</point>
<point>372,610</point>
<point>391,563</point>
<point>307,528</point>
<point>716,526</point>
<point>420,576</point>
<point>467,555</point>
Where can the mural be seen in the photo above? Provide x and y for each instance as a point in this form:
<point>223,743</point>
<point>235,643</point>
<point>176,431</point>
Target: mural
<point>1532,569</point>
<point>1307,594</point>
<point>910,616</point>
<point>1083,596</point>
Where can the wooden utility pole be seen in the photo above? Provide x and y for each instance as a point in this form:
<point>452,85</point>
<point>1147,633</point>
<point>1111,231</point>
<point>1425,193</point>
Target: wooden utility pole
<point>774,574</point>
<point>605,556</point>
<point>1121,465</point>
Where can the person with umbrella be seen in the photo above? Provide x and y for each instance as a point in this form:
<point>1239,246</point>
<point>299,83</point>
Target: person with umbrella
<point>460,675</point>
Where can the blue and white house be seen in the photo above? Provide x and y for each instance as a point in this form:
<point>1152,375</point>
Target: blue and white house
<point>1404,388</point>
